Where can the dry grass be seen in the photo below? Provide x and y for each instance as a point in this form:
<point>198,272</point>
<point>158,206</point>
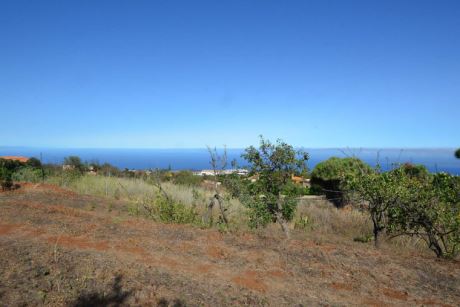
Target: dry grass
<point>327,219</point>
<point>320,218</point>
<point>133,189</point>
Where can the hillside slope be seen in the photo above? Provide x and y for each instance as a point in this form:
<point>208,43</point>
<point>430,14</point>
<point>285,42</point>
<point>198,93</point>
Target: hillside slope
<point>59,248</point>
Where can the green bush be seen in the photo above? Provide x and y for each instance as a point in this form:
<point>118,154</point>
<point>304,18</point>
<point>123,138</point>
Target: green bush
<point>7,168</point>
<point>414,171</point>
<point>260,212</point>
<point>331,177</point>
<point>294,190</point>
<point>28,174</point>
<point>170,211</point>
<point>68,177</point>
<point>186,178</point>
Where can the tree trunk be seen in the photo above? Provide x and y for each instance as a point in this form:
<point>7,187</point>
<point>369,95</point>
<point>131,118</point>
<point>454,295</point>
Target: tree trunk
<point>221,207</point>
<point>434,246</point>
<point>376,238</point>
<point>208,216</point>
<point>376,230</point>
<point>281,220</point>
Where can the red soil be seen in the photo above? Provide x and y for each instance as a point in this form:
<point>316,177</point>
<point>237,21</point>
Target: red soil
<point>202,267</point>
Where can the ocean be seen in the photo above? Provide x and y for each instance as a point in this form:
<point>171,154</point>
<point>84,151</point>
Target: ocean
<point>436,160</point>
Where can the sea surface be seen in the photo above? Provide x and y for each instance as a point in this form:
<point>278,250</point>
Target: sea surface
<point>436,160</point>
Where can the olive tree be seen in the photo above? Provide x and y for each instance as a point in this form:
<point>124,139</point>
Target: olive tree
<point>273,165</point>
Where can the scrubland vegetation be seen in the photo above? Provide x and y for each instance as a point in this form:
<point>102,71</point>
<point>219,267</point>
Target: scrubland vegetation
<point>405,204</point>
<point>83,233</point>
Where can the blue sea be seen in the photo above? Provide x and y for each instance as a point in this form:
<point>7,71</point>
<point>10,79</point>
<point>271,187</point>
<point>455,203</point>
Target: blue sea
<point>436,160</point>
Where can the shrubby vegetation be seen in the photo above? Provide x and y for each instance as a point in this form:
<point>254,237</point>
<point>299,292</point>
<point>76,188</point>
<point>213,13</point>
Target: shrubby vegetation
<point>331,178</point>
<point>407,201</point>
<point>14,170</point>
<point>401,202</point>
<point>274,164</point>
<point>168,210</point>
<point>185,178</point>
<point>28,174</point>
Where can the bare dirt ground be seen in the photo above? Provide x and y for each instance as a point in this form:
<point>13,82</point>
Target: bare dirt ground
<point>58,248</point>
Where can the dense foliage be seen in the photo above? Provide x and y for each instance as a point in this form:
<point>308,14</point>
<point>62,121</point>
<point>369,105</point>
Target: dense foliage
<point>413,170</point>
<point>331,177</point>
<point>274,165</point>
<point>7,169</point>
<point>401,202</point>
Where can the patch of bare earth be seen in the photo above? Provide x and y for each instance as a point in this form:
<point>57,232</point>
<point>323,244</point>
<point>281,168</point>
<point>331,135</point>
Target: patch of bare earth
<point>56,250</point>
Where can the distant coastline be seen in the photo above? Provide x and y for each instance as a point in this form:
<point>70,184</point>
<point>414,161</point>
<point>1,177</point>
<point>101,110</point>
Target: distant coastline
<point>435,159</point>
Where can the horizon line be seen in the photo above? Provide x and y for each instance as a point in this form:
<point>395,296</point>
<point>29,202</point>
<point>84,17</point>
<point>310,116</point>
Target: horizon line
<point>229,148</point>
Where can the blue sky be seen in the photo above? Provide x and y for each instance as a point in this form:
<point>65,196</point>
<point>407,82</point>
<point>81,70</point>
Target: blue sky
<point>171,74</point>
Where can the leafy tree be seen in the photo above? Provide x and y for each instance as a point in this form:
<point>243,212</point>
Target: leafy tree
<point>381,193</point>
<point>431,212</point>
<point>410,201</point>
<point>457,153</point>
<point>274,164</point>
<point>331,177</point>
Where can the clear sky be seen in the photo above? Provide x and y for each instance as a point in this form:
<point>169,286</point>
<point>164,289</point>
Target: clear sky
<point>189,73</point>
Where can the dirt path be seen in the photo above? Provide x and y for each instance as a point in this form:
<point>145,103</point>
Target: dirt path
<point>59,248</point>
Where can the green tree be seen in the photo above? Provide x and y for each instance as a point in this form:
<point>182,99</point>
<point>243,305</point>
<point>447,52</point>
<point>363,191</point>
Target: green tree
<point>331,177</point>
<point>381,192</point>
<point>457,153</point>
<point>274,164</point>
<point>432,213</point>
